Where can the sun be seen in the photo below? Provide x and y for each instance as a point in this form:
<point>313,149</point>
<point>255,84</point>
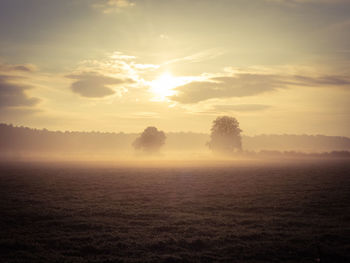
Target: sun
<point>164,85</point>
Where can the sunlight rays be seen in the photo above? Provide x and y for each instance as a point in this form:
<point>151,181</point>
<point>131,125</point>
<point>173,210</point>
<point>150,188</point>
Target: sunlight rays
<point>164,85</point>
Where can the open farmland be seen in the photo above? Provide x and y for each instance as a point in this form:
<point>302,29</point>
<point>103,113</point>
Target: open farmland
<point>232,213</point>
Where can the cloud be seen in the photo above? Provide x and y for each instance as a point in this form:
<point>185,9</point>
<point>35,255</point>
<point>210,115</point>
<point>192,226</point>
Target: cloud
<point>95,85</point>
<point>119,65</point>
<point>26,68</point>
<point>309,1</point>
<point>115,73</point>
<point>250,84</point>
<point>12,90</point>
<point>13,94</point>
<point>241,107</point>
<point>225,87</point>
<point>326,80</point>
<point>110,6</point>
<point>197,57</point>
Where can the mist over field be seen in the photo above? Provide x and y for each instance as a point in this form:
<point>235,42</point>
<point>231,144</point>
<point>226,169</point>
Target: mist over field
<point>22,143</point>
<point>170,197</point>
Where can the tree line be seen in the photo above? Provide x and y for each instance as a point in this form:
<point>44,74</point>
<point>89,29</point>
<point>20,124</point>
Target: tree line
<point>225,137</point>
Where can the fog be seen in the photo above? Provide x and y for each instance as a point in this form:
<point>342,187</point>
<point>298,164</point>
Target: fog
<point>25,144</point>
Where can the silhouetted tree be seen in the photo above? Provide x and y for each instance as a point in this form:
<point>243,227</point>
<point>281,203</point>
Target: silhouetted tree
<point>150,140</point>
<point>225,135</point>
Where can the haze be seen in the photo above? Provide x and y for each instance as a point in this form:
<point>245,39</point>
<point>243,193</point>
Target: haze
<point>174,131</point>
<point>278,66</point>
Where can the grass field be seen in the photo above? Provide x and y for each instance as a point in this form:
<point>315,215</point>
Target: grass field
<point>234,213</point>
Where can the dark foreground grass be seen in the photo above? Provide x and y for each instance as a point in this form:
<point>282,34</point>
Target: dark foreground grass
<point>261,213</point>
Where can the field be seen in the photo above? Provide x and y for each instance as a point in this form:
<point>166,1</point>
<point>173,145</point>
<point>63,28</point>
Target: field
<point>291,212</point>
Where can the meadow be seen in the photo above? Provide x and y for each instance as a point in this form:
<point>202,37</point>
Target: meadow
<point>277,212</point>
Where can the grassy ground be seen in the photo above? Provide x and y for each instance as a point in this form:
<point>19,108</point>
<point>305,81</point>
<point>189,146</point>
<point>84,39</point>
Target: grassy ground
<point>240,213</point>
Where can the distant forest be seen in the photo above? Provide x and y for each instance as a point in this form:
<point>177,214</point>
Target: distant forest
<point>17,140</point>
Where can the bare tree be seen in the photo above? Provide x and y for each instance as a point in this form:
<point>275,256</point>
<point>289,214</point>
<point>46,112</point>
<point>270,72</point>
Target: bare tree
<point>150,140</point>
<point>225,135</point>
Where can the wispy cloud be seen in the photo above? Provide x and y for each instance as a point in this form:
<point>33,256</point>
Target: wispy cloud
<point>197,57</point>
<point>217,109</point>
<point>110,6</point>
<point>240,108</point>
<point>115,74</point>
<point>308,1</point>
<point>118,65</point>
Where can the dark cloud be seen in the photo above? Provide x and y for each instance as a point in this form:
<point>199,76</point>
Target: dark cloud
<point>28,68</point>
<point>224,87</point>
<point>23,68</point>
<point>95,85</point>
<point>12,94</point>
<point>243,85</point>
<point>326,80</point>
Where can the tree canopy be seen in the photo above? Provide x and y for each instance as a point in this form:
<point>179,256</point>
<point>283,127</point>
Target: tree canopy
<point>225,135</point>
<point>150,140</point>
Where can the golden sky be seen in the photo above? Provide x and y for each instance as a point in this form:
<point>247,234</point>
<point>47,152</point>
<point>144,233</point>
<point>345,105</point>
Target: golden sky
<point>278,66</point>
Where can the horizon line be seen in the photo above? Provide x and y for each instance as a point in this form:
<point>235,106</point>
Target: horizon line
<point>169,132</point>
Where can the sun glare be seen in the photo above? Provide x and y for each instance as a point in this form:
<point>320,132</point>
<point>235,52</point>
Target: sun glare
<point>164,85</point>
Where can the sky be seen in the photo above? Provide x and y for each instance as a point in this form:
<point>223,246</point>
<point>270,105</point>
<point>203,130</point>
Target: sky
<point>278,66</point>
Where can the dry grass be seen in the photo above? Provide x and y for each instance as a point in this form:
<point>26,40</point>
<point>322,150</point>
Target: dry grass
<point>261,213</point>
